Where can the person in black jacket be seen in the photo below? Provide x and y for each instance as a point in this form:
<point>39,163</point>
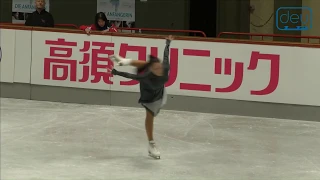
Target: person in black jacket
<point>40,17</point>
<point>152,77</point>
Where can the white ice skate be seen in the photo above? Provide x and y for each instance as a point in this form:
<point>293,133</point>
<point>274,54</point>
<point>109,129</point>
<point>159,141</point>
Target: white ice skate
<point>120,61</point>
<point>153,151</point>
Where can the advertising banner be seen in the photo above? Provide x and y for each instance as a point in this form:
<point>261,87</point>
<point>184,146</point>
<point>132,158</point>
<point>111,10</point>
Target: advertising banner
<point>264,73</point>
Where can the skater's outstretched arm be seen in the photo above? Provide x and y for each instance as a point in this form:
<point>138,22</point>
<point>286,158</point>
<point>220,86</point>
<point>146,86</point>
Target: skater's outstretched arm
<point>166,53</point>
<point>138,77</point>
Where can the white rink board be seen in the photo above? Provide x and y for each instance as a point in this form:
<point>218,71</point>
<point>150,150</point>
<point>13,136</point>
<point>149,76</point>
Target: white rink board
<point>296,83</point>
<point>23,57</point>
<point>7,44</point>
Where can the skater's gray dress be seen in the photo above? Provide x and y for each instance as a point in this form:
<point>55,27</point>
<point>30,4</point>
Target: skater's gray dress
<point>154,107</point>
<point>153,94</point>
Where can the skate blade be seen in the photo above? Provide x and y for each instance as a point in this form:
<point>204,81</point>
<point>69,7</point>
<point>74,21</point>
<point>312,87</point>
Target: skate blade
<point>155,157</point>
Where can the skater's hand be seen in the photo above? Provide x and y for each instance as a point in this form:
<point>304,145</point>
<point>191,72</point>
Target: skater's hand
<point>170,37</point>
<point>112,71</point>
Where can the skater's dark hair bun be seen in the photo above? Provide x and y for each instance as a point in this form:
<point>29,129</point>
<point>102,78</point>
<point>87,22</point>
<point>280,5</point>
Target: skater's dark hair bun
<point>152,60</point>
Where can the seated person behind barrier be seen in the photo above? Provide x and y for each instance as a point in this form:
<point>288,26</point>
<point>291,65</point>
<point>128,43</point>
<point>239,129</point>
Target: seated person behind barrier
<point>40,17</point>
<point>101,23</point>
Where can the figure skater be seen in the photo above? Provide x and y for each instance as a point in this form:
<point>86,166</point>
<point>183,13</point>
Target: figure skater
<point>152,76</point>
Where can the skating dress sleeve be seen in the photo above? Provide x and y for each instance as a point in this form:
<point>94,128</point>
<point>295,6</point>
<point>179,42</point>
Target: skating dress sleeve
<point>166,53</point>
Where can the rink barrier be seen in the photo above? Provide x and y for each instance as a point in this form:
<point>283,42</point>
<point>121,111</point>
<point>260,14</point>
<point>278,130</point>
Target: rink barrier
<point>132,30</point>
<point>241,77</point>
<point>154,30</point>
<point>263,36</point>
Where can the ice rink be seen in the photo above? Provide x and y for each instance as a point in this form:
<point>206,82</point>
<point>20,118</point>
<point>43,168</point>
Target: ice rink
<point>57,141</point>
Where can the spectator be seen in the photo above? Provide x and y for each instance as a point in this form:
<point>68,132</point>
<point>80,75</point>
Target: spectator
<point>40,17</point>
<point>101,23</point>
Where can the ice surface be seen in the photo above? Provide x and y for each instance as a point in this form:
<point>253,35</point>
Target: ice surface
<point>56,141</point>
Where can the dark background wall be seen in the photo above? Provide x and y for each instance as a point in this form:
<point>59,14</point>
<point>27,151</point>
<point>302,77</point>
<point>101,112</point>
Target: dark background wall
<point>212,16</point>
<point>232,15</point>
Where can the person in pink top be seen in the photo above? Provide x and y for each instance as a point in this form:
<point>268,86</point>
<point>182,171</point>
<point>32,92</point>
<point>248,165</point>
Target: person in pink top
<point>101,24</point>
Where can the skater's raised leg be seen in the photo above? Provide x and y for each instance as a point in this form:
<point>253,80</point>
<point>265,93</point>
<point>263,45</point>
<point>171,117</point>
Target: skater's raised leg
<point>127,61</point>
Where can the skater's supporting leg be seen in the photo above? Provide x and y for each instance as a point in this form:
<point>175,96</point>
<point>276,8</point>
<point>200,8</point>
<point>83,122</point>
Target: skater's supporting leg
<point>153,150</point>
<point>149,125</point>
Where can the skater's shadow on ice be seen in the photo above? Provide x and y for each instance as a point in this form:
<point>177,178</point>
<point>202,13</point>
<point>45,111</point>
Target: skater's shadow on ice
<point>143,162</point>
